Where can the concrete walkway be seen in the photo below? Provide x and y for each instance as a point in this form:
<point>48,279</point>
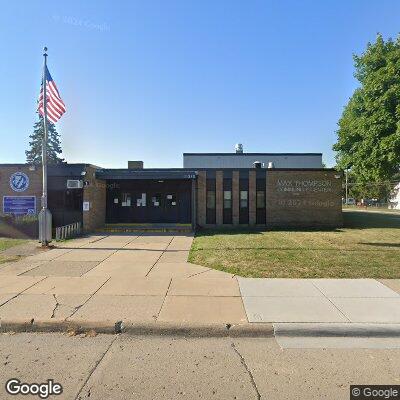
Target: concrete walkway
<point>146,279</point>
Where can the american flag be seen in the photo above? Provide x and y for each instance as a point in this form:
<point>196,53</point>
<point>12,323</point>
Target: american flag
<point>55,106</point>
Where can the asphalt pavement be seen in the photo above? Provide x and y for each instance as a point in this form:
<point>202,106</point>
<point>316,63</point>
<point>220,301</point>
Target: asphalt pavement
<point>100,367</point>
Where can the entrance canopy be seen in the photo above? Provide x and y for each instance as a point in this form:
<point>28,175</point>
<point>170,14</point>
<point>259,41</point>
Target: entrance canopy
<point>144,174</point>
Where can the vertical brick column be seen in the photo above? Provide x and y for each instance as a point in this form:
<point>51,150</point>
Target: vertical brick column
<point>95,193</point>
<point>252,197</point>
<point>235,197</point>
<point>219,179</point>
<point>267,198</point>
<point>201,198</point>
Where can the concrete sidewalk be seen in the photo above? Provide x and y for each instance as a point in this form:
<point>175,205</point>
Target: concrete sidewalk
<point>145,279</point>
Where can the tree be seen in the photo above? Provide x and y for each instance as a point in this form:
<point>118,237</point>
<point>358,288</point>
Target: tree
<point>367,190</point>
<point>369,128</point>
<point>34,155</point>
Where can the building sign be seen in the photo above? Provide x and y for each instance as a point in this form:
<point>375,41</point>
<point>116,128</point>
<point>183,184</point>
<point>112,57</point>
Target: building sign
<point>308,185</point>
<point>19,182</point>
<point>19,205</point>
<point>306,203</point>
<point>86,206</point>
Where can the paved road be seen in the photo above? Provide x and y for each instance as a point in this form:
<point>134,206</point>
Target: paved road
<point>125,367</point>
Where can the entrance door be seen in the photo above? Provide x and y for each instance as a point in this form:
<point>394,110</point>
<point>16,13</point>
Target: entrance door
<point>156,207</point>
<point>164,207</point>
<point>166,201</point>
<point>171,207</point>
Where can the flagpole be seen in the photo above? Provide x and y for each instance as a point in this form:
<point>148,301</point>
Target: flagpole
<point>45,219</point>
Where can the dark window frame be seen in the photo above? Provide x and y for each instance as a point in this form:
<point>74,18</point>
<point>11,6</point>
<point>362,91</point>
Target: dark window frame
<point>246,199</point>
<point>228,200</point>
<point>260,204</point>
<point>211,211</point>
<point>243,187</point>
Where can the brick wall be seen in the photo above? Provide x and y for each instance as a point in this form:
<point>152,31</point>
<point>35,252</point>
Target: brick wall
<point>35,183</point>
<point>303,199</point>
<point>94,193</point>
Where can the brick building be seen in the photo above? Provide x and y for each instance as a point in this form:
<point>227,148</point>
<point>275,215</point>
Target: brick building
<point>264,196</point>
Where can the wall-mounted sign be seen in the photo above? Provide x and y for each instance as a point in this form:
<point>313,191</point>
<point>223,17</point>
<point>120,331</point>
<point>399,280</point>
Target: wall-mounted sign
<point>19,181</point>
<point>19,205</point>
<point>308,185</point>
<point>86,206</point>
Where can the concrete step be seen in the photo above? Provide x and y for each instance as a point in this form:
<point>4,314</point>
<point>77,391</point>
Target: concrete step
<point>124,228</point>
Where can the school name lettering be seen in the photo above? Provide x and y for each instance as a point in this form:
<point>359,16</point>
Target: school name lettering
<point>310,185</point>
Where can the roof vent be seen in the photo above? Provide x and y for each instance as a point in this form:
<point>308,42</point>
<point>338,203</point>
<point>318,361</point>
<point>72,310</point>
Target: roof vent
<point>271,165</point>
<point>239,148</point>
<point>135,164</point>
<point>257,164</point>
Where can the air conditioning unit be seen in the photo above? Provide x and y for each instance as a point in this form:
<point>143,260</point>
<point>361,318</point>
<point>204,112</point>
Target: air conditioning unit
<point>74,184</point>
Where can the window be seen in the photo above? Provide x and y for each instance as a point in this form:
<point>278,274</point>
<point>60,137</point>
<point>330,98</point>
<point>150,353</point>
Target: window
<point>227,199</point>
<point>260,199</point>
<point>155,200</point>
<point>171,200</point>
<point>126,200</point>
<point>243,198</point>
<point>141,201</point>
<point>211,199</point>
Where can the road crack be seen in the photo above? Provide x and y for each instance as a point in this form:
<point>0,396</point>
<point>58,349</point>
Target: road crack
<point>88,393</point>
<point>243,361</point>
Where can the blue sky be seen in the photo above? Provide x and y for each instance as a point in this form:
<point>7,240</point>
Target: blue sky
<point>153,79</point>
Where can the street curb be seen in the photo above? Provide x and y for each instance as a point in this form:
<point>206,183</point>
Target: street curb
<point>247,330</point>
<point>137,329</point>
<point>336,330</point>
<point>200,330</point>
<point>47,326</point>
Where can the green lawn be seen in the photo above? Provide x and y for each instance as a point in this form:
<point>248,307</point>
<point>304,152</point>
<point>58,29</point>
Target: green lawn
<point>367,247</point>
<point>6,243</point>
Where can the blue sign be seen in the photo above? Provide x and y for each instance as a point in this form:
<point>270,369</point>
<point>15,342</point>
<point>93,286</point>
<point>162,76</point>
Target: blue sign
<point>19,205</point>
<point>19,182</point>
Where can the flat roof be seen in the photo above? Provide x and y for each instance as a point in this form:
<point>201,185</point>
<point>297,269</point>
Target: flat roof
<point>252,154</point>
<point>181,173</point>
<point>151,174</point>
